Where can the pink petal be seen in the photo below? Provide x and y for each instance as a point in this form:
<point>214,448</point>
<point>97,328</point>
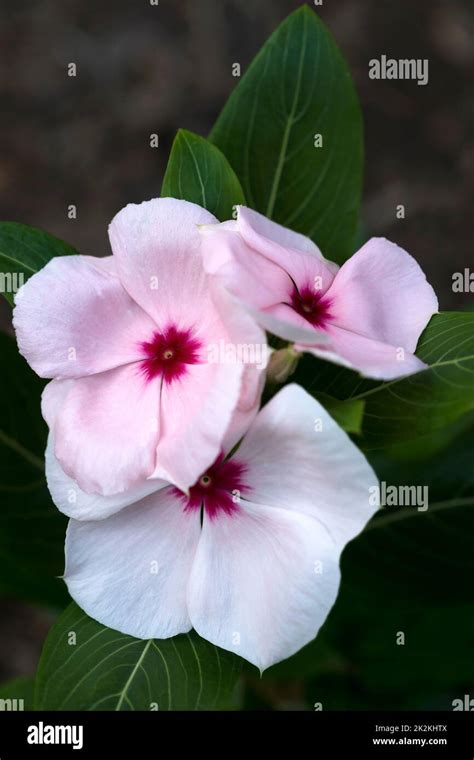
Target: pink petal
<point>285,322</point>
<point>130,571</point>
<point>107,430</point>
<point>262,274</point>
<point>254,589</point>
<point>156,245</point>
<point>195,414</point>
<point>299,459</point>
<point>254,279</point>
<point>74,318</point>
<point>369,357</point>
<point>66,494</point>
<point>210,405</point>
<point>52,399</point>
<point>277,243</point>
<point>76,503</point>
<point>382,293</point>
<point>253,382</point>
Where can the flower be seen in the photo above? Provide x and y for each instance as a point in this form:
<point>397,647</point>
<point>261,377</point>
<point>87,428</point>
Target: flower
<point>367,315</point>
<point>126,340</point>
<point>249,557</point>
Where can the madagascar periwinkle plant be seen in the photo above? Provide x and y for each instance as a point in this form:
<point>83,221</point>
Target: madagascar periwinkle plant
<point>229,394</point>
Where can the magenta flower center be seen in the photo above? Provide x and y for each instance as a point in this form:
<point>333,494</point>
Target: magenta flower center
<point>312,305</point>
<point>169,353</point>
<point>218,490</point>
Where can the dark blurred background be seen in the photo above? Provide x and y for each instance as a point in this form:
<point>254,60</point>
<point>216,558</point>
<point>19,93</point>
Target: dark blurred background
<point>145,69</point>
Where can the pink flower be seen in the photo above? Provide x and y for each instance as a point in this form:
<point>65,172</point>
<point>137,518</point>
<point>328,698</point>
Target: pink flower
<point>126,340</point>
<point>249,557</point>
<point>368,315</point>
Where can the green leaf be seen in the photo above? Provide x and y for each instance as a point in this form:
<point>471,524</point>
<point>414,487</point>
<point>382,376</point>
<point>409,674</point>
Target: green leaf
<point>434,663</point>
<point>23,251</point>
<point>107,670</point>
<point>348,414</point>
<point>422,553</point>
<point>407,408</point>
<point>17,689</point>
<point>410,572</point>
<point>356,663</point>
<point>31,528</point>
<point>298,86</point>
<point>425,555</point>
<point>197,171</point>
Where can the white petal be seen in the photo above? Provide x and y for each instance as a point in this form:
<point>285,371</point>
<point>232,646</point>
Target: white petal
<point>130,571</point>
<point>263,582</point>
<point>76,503</point>
<point>299,459</point>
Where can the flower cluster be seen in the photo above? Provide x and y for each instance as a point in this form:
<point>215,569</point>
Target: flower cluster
<point>190,507</point>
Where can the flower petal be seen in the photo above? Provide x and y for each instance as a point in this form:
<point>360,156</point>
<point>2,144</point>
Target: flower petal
<point>253,382</point>
<point>107,430</point>
<point>284,321</point>
<point>157,248</point>
<point>371,358</point>
<point>259,282</point>
<point>130,571</point>
<point>52,399</point>
<point>195,414</point>
<point>198,411</point>
<point>255,588</point>
<point>276,242</point>
<point>299,459</point>
<point>76,503</point>
<point>254,279</point>
<point>382,293</point>
<point>74,318</point>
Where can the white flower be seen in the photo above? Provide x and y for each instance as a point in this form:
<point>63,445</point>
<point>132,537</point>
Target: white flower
<point>249,557</point>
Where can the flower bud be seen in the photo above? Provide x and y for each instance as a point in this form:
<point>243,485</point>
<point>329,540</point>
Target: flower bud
<point>282,364</point>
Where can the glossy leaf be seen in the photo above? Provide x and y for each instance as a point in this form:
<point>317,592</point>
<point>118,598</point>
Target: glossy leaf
<point>197,171</point>
<point>31,528</point>
<point>23,251</point>
<point>422,548</point>
<point>86,666</point>
<point>410,572</point>
<point>17,694</point>
<point>348,414</point>
<point>407,408</point>
<point>298,87</point>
